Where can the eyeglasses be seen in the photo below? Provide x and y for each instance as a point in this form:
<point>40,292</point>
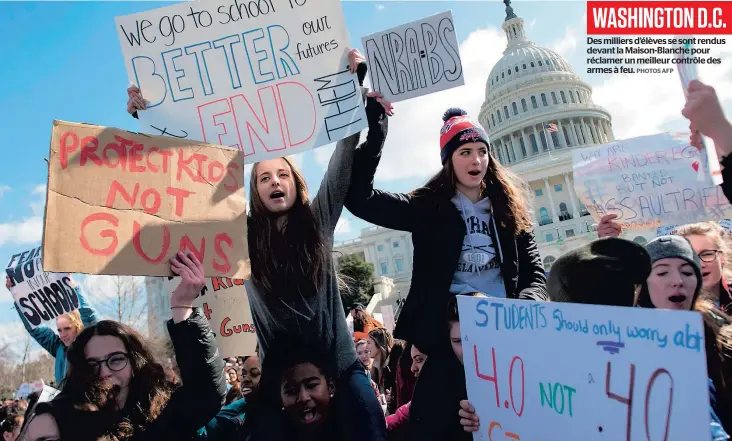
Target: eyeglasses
<point>115,362</point>
<point>709,255</point>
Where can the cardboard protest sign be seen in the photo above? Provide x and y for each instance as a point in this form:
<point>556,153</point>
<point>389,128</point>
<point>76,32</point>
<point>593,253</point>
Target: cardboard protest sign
<point>38,295</point>
<point>415,59</point>
<point>121,203</point>
<point>225,304</point>
<point>560,371</point>
<point>269,77</point>
<point>647,182</point>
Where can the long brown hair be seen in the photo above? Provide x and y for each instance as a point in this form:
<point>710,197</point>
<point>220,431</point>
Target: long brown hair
<point>149,391</point>
<point>291,258</point>
<point>504,189</point>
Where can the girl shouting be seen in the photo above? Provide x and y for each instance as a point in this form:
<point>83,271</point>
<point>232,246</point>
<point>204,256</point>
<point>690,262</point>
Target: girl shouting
<point>471,231</point>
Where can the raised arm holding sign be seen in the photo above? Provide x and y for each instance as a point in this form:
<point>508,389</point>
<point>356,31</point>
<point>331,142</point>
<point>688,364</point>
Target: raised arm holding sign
<point>43,299</point>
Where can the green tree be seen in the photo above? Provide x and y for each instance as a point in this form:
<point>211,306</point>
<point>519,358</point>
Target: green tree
<point>357,280</point>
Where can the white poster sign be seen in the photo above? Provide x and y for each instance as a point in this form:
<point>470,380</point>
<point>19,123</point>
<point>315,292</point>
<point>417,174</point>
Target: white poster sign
<point>726,224</point>
<point>415,59</point>
<point>40,296</point>
<point>225,304</point>
<point>560,371</point>
<point>269,77</point>
<point>647,182</point>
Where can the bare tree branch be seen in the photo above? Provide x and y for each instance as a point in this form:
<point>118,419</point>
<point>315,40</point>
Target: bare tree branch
<point>120,298</point>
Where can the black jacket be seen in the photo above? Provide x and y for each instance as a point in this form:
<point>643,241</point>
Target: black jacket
<point>437,231</point>
<point>190,407</point>
<point>726,163</point>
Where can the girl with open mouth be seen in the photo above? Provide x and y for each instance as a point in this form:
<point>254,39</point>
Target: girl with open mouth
<point>675,283</point>
<point>293,292</point>
<point>710,242</point>
<point>115,389</point>
<point>472,231</point>
<point>676,278</point>
<point>306,391</point>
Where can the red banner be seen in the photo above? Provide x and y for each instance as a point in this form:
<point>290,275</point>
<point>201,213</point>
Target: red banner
<point>660,18</point>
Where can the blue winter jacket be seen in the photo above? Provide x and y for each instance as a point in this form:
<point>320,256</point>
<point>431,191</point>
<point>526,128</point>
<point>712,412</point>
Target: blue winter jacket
<point>718,432</point>
<point>51,342</point>
<point>226,423</point>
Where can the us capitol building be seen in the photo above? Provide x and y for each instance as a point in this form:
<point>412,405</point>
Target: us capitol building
<point>536,110</point>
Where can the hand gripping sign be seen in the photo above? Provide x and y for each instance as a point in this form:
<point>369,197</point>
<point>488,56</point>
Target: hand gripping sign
<point>40,296</point>
<point>267,77</point>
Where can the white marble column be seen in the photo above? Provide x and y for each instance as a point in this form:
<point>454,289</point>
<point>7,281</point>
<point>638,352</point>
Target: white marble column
<point>555,218</point>
<point>573,133</point>
<point>509,143</point>
<point>593,132</point>
<point>585,132</point>
<point>409,253</point>
<point>572,196</point>
<point>560,135</point>
<point>598,130</point>
<point>371,256</point>
<point>517,146</point>
<point>527,144</point>
<point>609,131</point>
<point>538,139</point>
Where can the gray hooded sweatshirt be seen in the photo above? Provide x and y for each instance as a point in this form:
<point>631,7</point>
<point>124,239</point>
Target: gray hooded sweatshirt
<point>479,266</point>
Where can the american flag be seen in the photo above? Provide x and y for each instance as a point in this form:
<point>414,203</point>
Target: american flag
<point>551,127</point>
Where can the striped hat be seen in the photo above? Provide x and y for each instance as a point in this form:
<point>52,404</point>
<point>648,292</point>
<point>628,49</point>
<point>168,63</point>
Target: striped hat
<point>459,129</point>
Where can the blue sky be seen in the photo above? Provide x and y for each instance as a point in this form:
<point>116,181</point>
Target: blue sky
<point>63,61</point>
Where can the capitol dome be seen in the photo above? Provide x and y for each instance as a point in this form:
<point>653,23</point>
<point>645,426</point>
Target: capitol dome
<point>523,58</point>
<point>536,105</point>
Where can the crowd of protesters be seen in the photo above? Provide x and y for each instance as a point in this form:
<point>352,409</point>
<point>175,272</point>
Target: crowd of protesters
<point>311,378</point>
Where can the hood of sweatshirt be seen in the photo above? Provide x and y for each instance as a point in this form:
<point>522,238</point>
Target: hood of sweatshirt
<point>478,268</point>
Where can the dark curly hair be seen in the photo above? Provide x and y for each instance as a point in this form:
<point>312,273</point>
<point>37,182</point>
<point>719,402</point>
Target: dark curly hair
<point>149,391</point>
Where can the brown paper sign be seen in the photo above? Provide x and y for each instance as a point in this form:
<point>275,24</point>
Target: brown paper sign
<point>225,304</point>
<point>122,203</point>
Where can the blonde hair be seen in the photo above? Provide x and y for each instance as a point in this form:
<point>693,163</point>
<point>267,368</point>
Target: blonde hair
<point>361,342</point>
<point>714,232</point>
<point>74,317</point>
